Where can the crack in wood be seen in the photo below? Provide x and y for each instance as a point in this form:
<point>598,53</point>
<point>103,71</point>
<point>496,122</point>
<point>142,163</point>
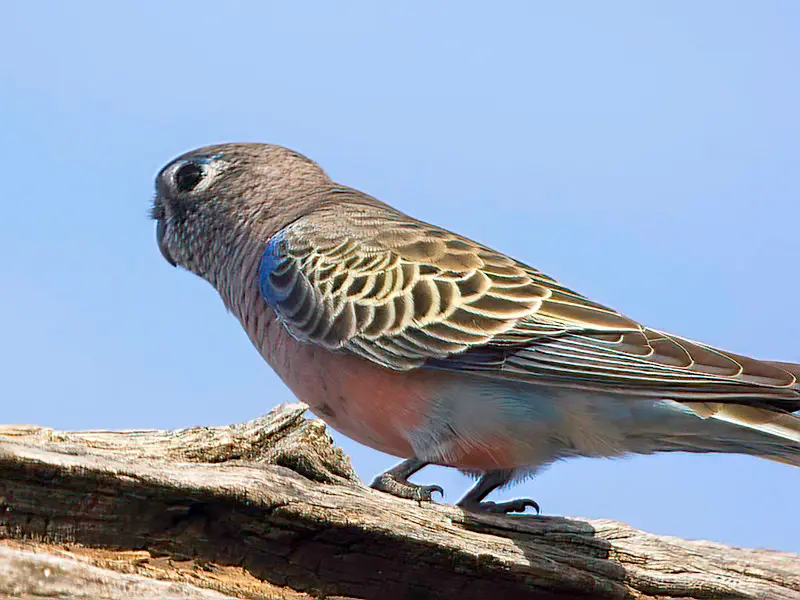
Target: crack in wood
<point>272,509</point>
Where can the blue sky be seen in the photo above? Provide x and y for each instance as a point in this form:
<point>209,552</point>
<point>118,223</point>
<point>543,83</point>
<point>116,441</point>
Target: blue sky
<point>645,154</point>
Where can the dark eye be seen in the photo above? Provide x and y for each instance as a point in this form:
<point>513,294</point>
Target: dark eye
<point>188,176</point>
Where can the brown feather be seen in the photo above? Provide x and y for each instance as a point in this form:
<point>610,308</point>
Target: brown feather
<point>417,295</point>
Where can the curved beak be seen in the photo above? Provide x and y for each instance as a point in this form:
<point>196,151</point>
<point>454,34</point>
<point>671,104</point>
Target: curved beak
<point>161,230</point>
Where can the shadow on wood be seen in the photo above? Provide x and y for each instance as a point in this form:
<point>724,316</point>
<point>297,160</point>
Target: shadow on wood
<point>272,509</point>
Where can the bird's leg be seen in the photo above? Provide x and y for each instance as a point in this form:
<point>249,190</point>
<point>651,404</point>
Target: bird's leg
<point>395,482</point>
<point>491,480</point>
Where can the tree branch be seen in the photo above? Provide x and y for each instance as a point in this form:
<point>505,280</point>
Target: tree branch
<point>272,509</point>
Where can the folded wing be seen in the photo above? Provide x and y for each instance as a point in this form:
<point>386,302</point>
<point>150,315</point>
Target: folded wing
<point>362,278</point>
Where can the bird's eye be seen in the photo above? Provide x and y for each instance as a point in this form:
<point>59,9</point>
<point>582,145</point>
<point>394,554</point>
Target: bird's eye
<point>188,176</point>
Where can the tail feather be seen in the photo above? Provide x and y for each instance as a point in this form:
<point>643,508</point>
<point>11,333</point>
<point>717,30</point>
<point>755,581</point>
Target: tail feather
<point>791,460</point>
<point>776,424</point>
<point>780,424</point>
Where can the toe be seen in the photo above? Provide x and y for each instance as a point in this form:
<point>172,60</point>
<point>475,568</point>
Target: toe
<point>522,504</point>
<point>425,492</point>
<point>502,508</point>
<point>405,489</point>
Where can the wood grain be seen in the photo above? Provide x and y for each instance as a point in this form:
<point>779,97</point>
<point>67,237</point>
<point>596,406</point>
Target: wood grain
<point>272,509</point>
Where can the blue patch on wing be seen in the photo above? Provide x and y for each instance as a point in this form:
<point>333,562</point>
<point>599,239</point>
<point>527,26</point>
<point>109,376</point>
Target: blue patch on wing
<point>274,257</point>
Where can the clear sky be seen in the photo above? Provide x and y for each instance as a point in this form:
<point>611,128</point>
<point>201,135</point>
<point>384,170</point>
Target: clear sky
<point>646,154</point>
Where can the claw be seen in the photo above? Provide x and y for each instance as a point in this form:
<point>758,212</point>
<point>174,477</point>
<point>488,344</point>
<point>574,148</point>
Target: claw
<point>430,490</point>
<point>503,508</point>
<point>405,489</point>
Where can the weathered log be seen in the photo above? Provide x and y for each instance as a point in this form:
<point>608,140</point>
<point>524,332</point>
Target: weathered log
<point>272,509</point>
<point>28,574</point>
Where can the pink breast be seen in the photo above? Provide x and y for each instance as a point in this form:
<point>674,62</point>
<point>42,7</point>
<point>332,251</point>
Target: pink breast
<point>376,406</point>
<point>369,404</point>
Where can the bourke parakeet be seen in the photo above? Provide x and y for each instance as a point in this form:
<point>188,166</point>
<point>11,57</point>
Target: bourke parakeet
<point>423,344</point>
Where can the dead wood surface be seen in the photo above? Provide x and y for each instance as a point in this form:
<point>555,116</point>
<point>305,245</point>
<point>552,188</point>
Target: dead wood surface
<point>272,509</point>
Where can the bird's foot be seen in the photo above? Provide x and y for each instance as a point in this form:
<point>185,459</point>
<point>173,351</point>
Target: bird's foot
<point>395,482</point>
<point>502,508</point>
<point>402,488</point>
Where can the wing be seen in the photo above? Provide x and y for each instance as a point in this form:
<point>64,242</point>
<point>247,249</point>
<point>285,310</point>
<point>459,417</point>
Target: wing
<point>360,277</point>
<point>401,292</point>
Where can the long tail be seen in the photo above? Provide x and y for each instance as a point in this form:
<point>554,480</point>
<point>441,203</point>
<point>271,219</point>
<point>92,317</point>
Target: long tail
<point>778,433</point>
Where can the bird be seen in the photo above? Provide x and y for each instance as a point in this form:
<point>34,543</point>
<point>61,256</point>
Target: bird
<point>436,349</point>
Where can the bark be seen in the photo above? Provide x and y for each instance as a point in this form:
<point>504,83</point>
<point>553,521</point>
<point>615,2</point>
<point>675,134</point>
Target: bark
<point>272,509</point>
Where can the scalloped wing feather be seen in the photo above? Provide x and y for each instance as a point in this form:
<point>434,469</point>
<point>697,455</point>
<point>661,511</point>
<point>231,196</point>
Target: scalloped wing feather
<point>407,293</point>
<point>366,279</point>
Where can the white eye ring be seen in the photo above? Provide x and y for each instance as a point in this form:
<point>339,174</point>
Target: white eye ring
<point>194,174</point>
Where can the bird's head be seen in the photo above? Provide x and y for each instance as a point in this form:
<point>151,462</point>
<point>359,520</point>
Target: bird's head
<point>211,201</point>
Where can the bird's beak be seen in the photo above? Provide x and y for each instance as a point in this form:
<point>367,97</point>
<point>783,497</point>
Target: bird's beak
<point>161,230</point>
